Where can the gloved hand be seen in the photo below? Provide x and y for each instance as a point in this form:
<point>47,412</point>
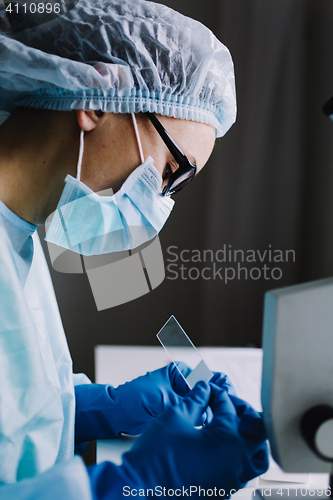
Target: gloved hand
<point>173,454</point>
<point>222,380</point>
<point>103,412</point>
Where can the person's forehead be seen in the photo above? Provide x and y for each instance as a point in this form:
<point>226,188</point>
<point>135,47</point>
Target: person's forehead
<point>195,139</point>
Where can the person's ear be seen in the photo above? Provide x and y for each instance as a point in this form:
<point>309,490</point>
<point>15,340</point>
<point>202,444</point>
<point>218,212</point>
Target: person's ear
<point>87,120</point>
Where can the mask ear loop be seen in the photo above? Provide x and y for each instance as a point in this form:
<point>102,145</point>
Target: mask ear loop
<point>138,137</point>
<point>79,161</point>
<point>136,130</point>
<point>78,177</point>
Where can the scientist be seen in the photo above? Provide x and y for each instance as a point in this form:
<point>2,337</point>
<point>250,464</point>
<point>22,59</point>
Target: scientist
<point>89,97</point>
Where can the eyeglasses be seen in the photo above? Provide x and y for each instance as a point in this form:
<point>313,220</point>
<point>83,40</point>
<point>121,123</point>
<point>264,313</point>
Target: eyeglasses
<point>186,170</point>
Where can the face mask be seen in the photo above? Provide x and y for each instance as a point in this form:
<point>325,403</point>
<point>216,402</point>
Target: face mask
<point>92,223</point>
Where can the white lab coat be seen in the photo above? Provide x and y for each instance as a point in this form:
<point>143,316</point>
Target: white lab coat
<point>37,404</point>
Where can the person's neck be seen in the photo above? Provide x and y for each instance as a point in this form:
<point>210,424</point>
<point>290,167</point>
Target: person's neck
<point>37,150</point>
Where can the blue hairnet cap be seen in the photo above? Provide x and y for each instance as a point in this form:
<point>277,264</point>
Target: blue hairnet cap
<point>120,56</point>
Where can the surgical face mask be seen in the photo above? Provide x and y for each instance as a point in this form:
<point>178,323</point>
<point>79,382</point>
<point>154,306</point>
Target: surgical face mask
<point>92,223</point>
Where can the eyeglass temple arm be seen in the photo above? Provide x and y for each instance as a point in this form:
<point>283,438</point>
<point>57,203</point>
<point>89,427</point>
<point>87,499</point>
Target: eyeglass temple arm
<point>174,149</point>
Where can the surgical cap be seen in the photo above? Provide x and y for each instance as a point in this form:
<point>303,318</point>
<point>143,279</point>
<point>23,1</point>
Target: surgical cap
<point>119,56</point>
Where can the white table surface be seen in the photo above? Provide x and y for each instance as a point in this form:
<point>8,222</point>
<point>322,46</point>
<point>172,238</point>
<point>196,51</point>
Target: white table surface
<point>118,364</point>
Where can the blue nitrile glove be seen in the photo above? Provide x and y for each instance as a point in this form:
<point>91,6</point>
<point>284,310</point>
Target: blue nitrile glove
<point>173,454</point>
<point>222,380</point>
<point>103,412</point>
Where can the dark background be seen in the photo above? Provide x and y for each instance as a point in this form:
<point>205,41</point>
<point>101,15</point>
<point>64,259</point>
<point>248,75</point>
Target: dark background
<point>268,182</point>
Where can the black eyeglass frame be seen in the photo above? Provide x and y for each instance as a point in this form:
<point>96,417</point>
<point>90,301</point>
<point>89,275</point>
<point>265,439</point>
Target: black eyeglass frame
<point>184,163</point>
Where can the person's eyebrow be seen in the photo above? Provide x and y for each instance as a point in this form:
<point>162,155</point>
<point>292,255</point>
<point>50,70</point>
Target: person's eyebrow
<point>190,158</point>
